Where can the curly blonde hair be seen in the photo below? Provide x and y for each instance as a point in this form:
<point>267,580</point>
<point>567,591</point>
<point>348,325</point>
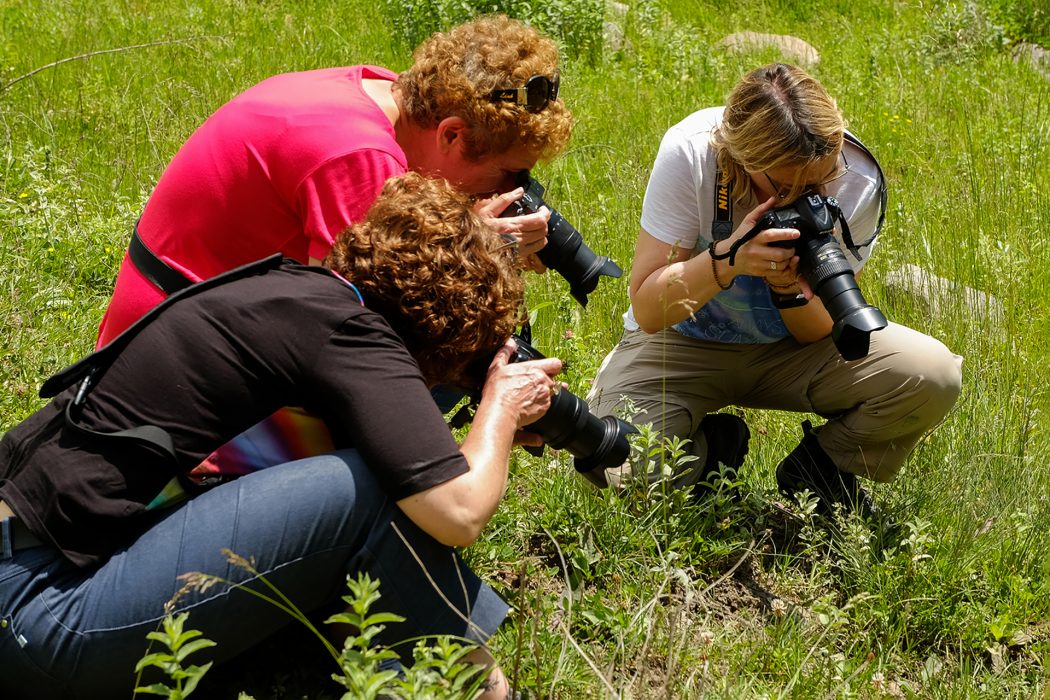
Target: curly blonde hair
<point>444,281</point>
<point>777,115</point>
<point>453,73</point>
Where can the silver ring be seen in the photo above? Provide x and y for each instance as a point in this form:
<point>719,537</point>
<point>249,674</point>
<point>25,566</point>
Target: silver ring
<point>772,264</point>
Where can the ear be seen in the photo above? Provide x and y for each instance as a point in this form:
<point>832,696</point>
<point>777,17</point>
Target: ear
<point>450,132</point>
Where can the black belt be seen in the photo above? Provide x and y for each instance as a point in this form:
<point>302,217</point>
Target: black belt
<point>166,278</point>
<point>20,536</point>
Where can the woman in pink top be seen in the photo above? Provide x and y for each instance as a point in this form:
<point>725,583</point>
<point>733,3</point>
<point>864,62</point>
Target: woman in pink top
<point>293,161</point>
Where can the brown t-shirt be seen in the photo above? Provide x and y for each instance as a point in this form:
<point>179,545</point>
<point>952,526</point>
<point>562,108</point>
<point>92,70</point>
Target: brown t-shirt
<point>205,369</point>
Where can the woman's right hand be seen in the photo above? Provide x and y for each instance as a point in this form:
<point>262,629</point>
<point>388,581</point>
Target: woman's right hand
<point>760,256</point>
<point>522,389</point>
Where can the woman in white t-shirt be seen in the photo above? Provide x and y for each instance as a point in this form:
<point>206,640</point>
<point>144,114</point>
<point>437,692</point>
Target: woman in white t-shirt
<point>721,316</point>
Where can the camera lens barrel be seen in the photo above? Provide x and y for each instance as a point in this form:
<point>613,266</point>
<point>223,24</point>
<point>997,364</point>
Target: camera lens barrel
<point>596,444</point>
<point>823,264</point>
<point>821,259</point>
<point>569,256</point>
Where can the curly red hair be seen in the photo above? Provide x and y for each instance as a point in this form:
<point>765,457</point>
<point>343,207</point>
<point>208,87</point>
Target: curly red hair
<point>453,73</point>
<point>445,282</point>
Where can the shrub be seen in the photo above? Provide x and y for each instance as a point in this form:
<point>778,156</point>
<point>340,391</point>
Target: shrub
<point>575,24</point>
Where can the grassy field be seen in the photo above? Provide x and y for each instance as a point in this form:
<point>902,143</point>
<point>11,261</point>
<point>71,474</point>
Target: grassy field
<point>641,594</point>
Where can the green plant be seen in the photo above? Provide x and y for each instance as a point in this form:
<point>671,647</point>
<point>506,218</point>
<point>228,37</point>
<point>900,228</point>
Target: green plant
<point>180,643</point>
<point>576,24</point>
<point>1022,20</point>
<point>960,32</point>
<point>441,668</point>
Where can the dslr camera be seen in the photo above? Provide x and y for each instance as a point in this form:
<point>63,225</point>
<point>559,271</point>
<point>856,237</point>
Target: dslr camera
<point>596,444</point>
<point>824,266</point>
<point>565,252</point>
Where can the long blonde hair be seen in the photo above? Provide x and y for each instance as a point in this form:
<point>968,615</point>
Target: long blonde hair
<point>777,115</point>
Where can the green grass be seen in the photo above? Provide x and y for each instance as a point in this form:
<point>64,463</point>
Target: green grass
<point>643,595</point>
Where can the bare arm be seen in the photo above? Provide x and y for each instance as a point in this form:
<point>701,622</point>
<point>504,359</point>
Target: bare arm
<point>667,285</point>
<point>456,512</point>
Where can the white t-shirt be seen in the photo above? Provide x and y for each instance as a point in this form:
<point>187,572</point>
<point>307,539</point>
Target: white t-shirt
<point>678,209</point>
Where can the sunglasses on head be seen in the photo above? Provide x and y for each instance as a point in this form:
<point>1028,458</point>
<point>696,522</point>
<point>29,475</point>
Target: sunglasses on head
<point>538,92</point>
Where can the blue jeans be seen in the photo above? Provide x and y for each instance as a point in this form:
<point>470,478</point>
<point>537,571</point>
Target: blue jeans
<point>67,632</point>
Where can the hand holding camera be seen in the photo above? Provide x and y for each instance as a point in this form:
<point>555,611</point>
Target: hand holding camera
<point>529,230</point>
<point>527,388</point>
<point>565,252</point>
<point>823,265</point>
<point>559,418</point>
<point>756,250</point>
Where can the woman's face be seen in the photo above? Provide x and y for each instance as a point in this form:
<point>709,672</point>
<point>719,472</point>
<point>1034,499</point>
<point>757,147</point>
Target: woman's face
<point>440,151</point>
<point>491,174</point>
<point>815,176</point>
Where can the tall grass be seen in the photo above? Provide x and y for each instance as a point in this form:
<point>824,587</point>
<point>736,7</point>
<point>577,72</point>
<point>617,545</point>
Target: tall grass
<point>644,594</point>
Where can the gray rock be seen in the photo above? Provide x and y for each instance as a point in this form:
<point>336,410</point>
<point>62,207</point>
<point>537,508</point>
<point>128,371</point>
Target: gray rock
<point>794,49</point>
<point>613,36</point>
<point>934,294</point>
<point>1034,55</point>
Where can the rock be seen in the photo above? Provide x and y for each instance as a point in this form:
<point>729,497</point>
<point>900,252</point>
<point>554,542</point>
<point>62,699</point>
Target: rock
<point>1034,55</point>
<point>612,36</point>
<point>934,293</point>
<point>793,48</point>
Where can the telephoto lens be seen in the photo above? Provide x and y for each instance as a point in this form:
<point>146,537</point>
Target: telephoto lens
<point>565,252</point>
<point>831,277</point>
<point>596,444</point>
<point>829,274</point>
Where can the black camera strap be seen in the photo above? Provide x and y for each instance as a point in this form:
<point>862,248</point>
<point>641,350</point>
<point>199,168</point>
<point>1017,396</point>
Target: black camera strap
<point>105,355</point>
<point>87,370</point>
<point>164,276</point>
<point>722,225</point>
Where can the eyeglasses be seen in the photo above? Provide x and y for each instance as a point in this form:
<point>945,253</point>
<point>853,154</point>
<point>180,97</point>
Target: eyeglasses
<point>538,92</point>
<point>783,191</point>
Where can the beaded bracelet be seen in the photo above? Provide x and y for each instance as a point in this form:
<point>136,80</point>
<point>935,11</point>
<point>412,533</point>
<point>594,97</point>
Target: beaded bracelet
<point>787,296</point>
<point>714,268</point>
<point>783,287</point>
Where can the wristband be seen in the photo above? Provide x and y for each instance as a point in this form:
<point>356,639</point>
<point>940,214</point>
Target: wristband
<point>714,266</point>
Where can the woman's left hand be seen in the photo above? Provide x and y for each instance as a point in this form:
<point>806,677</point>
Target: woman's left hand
<point>524,389</point>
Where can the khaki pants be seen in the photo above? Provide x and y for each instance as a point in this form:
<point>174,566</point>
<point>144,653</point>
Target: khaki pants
<point>877,407</point>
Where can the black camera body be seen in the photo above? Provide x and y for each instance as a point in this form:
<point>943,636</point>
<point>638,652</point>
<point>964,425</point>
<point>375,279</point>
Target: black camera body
<point>596,444</point>
<point>565,252</point>
<point>825,267</point>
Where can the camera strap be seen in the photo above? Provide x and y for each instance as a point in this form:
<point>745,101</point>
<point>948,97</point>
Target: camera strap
<point>161,274</point>
<point>722,225</point>
<point>104,356</point>
<point>87,370</point>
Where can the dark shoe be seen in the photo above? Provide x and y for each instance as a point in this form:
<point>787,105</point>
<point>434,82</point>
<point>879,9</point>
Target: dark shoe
<point>809,467</point>
<point>727,437</point>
